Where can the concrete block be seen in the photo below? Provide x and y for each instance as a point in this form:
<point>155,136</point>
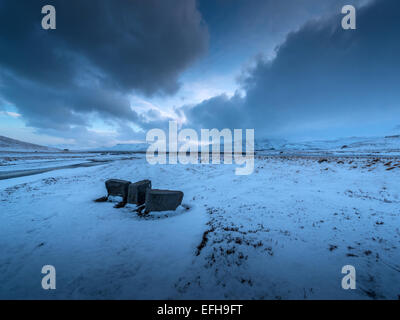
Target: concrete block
<point>117,187</point>
<point>137,192</point>
<point>162,200</point>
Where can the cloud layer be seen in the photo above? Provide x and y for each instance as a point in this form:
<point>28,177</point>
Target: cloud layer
<point>98,55</point>
<point>324,81</point>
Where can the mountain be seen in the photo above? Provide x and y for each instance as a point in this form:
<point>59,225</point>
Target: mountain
<point>136,147</point>
<point>356,144</point>
<point>389,143</point>
<point>268,144</point>
<point>8,144</point>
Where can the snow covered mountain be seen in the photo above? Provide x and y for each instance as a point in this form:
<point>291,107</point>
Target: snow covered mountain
<point>356,144</point>
<point>359,144</point>
<point>134,147</point>
<point>8,144</point>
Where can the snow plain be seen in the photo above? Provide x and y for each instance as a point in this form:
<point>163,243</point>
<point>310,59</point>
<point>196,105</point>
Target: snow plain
<point>283,232</point>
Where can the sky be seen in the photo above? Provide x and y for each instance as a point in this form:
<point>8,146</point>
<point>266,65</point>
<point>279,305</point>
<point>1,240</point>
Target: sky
<point>114,69</point>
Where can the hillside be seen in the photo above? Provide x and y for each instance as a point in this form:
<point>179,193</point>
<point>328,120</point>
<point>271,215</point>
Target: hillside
<point>352,144</point>
<point>8,144</point>
<point>134,147</point>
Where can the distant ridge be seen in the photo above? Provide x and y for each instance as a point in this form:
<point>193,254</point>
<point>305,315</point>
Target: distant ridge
<point>134,147</point>
<point>359,144</point>
<point>8,144</point>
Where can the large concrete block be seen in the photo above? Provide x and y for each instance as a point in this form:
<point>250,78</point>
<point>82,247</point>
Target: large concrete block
<point>137,192</point>
<point>162,200</point>
<point>117,187</point>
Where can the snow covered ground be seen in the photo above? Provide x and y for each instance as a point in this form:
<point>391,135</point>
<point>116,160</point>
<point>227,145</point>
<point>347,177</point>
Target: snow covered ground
<point>16,164</point>
<point>284,232</point>
<point>389,145</point>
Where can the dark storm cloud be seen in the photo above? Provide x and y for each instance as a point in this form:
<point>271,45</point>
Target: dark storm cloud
<point>322,77</point>
<point>141,45</point>
<point>59,107</point>
<point>100,52</point>
<point>218,112</point>
<point>243,28</point>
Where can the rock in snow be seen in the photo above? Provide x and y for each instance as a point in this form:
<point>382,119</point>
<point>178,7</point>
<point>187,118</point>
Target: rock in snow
<point>137,192</point>
<point>140,193</point>
<point>163,200</point>
<point>117,187</point>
